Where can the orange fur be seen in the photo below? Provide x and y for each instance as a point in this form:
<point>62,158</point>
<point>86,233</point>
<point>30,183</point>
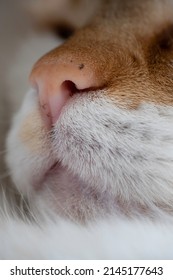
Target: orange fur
<point>128,46</point>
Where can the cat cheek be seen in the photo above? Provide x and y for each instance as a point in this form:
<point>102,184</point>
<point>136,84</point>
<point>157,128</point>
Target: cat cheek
<point>33,133</point>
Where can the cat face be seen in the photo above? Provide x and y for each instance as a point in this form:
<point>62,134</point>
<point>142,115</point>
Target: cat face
<point>94,134</point>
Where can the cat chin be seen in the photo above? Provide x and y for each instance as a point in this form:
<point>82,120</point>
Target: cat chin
<point>110,151</point>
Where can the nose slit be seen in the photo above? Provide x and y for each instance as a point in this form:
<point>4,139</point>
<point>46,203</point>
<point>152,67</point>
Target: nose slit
<point>69,87</point>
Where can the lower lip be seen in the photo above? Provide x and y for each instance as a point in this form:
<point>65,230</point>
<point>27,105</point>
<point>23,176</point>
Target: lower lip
<point>52,170</point>
<point>37,183</point>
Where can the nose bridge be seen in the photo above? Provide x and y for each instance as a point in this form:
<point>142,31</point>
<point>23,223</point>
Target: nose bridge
<point>53,74</point>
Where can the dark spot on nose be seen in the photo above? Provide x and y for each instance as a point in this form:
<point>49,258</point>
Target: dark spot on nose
<point>48,115</point>
<point>81,66</point>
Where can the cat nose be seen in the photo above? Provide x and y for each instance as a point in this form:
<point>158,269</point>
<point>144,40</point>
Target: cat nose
<point>57,80</point>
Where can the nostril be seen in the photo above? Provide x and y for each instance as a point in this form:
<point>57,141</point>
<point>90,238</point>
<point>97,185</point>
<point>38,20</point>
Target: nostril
<point>53,98</point>
<point>69,87</point>
<point>56,82</point>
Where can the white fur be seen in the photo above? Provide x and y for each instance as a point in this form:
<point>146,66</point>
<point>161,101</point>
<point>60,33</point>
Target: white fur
<point>111,239</point>
<point>124,158</point>
<point>111,161</point>
<point>103,152</point>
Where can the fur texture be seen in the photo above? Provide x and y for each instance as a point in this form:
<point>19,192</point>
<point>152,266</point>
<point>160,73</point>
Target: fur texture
<point>105,162</point>
<point>110,239</point>
<point>104,170</point>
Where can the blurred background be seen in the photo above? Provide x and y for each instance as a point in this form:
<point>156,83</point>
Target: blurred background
<point>21,44</point>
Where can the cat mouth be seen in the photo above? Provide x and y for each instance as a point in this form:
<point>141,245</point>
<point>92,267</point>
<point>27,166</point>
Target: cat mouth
<point>53,168</point>
<point>38,181</point>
